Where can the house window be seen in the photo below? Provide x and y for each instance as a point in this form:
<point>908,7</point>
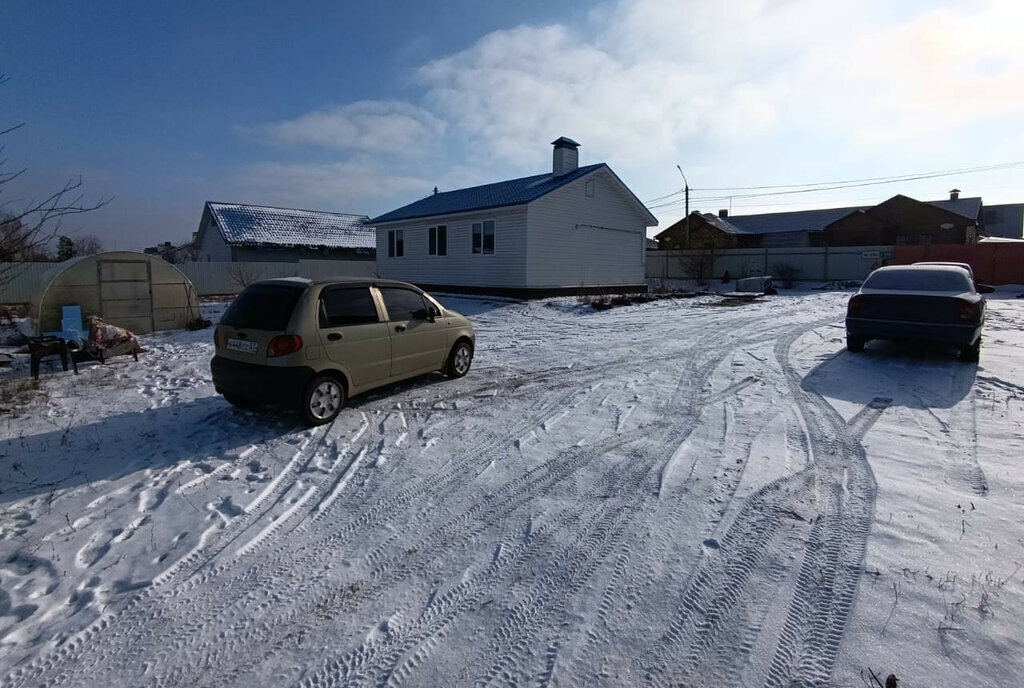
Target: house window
<point>483,237</point>
<point>437,240</point>
<point>590,188</point>
<point>396,243</point>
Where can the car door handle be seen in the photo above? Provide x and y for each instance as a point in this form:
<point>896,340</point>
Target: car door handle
<point>334,336</point>
<point>399,328</point>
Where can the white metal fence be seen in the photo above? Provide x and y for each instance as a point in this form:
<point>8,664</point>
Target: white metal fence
<point>20,281</point>
<point>229,278</point>
<point>824,264</point>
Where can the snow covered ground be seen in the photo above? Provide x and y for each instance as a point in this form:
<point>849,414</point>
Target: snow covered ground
<point>673,493</point>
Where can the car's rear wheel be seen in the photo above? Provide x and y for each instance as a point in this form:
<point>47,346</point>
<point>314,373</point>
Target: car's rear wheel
<point>854,344</point>
<point>971,354</point>
<point>323,400</point>
<point>460,359</point>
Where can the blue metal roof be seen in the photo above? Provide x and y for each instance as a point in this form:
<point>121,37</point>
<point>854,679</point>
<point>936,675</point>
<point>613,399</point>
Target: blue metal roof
<point>968,207</point>
<point>255,224</point>
<point>498,195</point>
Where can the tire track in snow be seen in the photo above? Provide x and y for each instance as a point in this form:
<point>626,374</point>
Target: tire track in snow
<point>201,612</point>
<point>835,494</point>
<point>292,565</point>
<point>389,663</point>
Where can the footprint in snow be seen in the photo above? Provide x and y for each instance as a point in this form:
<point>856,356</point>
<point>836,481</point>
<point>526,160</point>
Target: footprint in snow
<point>96,548</point>
<point>151,498</point>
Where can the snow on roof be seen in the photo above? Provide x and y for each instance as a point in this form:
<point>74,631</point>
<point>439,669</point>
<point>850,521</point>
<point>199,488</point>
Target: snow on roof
<point>999,240</point>
<point>497,195</point>
<point>255,224</point>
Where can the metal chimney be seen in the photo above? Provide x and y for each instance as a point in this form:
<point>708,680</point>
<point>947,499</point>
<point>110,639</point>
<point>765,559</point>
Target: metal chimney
<point>565,157</point>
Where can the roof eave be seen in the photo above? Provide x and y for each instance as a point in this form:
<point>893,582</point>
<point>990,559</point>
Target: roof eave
<point>377,221</point>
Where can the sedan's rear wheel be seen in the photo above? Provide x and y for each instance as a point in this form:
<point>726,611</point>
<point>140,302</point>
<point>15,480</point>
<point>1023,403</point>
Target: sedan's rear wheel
<point>971,354</point>
<point>854,344</point>
<point>323,400</point>
<point>459,360</point>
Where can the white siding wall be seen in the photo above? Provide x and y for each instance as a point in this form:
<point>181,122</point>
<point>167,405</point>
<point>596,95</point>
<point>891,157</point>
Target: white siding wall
<point>579,240</point>
<point>505,268</point>
<point>213,247</point>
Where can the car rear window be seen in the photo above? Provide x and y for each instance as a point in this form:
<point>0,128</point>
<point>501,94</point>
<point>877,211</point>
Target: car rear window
<point>263,307</point>
<point>919,280</point>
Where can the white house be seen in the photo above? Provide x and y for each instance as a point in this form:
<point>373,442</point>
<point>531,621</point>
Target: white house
<point>570,230</point>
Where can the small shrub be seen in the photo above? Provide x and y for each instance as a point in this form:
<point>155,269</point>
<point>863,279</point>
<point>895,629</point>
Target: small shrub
<point>786,272</point>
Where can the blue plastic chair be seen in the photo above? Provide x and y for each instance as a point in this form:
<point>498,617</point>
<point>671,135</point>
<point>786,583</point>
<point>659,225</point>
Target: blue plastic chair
<point>71,329</point>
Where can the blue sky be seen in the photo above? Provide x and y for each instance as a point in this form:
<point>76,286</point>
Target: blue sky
<point>364,107</point>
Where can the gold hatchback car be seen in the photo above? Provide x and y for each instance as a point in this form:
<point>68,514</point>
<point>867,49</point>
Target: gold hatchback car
<point>309,344</point>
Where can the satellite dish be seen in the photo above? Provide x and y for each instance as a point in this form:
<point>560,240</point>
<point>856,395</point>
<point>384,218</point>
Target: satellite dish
<point>946,225</point>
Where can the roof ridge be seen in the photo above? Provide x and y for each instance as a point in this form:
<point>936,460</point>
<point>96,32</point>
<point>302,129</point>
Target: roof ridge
<point>500,194</point>
<point>510,181</point>
<point>278,207</point>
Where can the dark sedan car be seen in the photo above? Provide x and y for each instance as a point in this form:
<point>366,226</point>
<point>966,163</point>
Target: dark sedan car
<point>928,303</point>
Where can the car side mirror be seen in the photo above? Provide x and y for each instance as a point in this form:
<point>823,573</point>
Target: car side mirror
<point>984,288</point>
<point>428,314</point>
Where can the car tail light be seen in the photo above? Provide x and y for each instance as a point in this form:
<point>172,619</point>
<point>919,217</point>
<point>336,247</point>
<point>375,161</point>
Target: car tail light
<point>968,310</point>
<point>855,306</point>
<point>284,344</point>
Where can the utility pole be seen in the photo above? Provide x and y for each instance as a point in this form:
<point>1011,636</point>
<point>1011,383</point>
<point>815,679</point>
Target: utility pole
<point>686,191</point>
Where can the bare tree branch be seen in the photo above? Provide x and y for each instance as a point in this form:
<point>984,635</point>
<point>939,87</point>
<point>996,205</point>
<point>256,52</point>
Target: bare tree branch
<point>27,231</point>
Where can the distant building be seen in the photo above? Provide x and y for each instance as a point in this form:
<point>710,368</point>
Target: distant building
<point>899,220</point>
<point>1005,221</point>
<point>570,230</point>
<point>231,232</point>
<point>171,253</point>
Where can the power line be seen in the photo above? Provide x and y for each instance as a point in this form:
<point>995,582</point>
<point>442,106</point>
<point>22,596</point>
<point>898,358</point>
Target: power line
<point>826,186</point>
<point>879,180</point>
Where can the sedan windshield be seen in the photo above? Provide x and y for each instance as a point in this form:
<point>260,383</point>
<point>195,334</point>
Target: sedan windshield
<point>919,280</point>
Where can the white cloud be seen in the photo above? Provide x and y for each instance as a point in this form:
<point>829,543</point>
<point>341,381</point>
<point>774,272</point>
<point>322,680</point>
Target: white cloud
<point>936,73</point>
<point>354,186</point>
<point>377,126</point>
<point>737,91</point>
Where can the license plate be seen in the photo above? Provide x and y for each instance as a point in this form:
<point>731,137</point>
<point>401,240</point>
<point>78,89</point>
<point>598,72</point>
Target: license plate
<point>242,346</point>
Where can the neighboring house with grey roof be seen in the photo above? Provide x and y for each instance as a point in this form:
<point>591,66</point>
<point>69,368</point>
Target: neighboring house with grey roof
<point>232,232</point>
<point>900,219</point>
<point>1005,220</point>
<point>571,230</point>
